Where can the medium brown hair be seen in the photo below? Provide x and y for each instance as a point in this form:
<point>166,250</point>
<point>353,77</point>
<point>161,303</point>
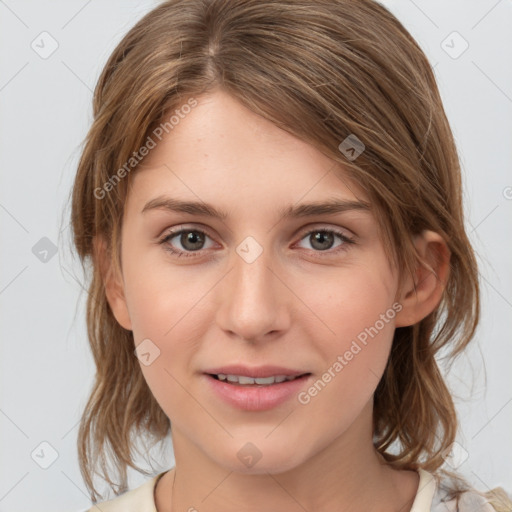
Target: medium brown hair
<point>322,71</point>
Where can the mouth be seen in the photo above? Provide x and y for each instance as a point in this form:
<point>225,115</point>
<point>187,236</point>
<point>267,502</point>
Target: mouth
<point>255,394</point>
<point>245,381</point>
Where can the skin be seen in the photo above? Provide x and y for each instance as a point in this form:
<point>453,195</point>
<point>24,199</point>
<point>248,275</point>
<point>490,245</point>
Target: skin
<point>296,306</point>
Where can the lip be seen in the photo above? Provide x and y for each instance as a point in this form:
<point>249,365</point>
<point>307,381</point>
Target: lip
<point>255,371</point>
<point>255,397</point>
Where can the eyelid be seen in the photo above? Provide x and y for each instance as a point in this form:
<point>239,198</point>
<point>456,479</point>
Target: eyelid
<point>319,226</point>
<point>186,225</point>
<point>180,228</point>
<point>171,233</point>
<point>347,241</point>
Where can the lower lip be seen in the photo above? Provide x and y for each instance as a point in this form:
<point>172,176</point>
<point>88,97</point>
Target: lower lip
<point>255,397</point>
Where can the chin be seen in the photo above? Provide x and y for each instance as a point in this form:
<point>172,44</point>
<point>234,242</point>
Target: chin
<point>256,458</point>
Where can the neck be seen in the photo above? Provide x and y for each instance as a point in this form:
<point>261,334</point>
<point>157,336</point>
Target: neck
<point>346,475</point>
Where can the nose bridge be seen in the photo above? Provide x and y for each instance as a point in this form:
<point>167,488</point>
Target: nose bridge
<point>253,303</point>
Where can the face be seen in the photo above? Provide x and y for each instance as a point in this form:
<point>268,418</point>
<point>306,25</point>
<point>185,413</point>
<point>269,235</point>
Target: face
<point>313,294</point>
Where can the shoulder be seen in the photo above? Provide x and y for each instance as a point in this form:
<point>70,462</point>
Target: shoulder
<point>140,499</point>
<point>447,498</point>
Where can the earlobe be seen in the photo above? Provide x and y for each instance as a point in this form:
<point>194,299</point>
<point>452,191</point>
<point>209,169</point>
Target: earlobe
<point>422,293</point>
<point>114,287</point>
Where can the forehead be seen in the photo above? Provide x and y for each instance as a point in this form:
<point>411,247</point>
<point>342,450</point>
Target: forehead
<point>220,151</point>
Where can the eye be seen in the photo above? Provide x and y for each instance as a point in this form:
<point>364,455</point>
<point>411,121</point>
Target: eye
<point>191,240</point>
<point>322,240</point>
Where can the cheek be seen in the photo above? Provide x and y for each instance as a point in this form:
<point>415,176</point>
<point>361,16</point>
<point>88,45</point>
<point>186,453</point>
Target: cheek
<point>160,299</point>
<point>350,302</point>
<point>359,315</point>
<point>165,316</point>
<point>162,305</point>
<point>165,307</point>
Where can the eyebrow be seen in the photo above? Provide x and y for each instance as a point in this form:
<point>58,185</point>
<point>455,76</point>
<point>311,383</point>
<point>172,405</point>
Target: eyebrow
<point>329,207</point>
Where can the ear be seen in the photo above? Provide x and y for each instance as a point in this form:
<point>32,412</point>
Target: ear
<point>422,293</point>
<point>114,285</point>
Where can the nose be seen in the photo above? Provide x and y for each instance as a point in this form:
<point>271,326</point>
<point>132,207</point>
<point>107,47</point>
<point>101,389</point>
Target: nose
<point>253,302</point>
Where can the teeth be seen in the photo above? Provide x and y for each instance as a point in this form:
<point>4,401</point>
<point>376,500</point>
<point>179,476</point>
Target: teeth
<point>245,381</point>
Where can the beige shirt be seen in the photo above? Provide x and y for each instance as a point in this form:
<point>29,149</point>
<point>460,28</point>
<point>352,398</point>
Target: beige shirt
<point>431,497</point>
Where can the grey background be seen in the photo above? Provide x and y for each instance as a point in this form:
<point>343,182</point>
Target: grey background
<point>46,367</point>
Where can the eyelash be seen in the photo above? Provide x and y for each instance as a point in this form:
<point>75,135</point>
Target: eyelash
<point>191,254</point>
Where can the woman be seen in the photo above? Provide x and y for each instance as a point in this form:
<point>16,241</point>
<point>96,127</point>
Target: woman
<point>270,198</point>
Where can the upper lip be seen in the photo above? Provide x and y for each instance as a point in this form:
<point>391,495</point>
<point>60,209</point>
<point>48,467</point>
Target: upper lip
<point>254,371</point>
